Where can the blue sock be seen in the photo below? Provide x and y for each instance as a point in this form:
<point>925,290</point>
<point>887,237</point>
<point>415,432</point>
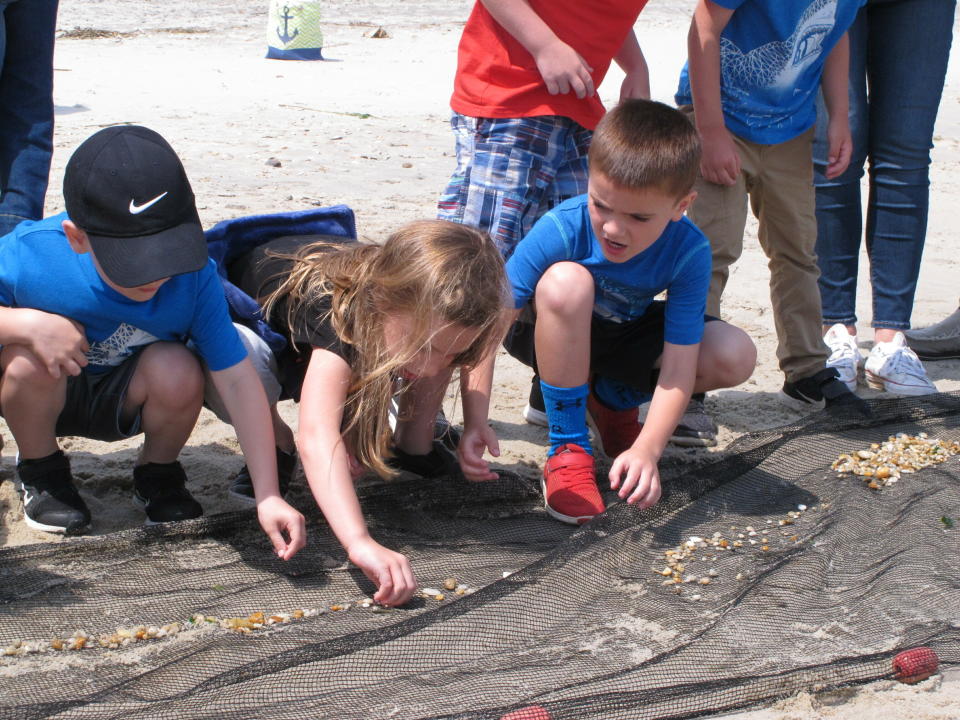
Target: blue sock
<point>617,396</point>
<point>567,415</point>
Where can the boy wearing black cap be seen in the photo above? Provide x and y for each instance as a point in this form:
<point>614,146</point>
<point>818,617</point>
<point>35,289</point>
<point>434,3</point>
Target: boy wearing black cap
<point>96,306</point>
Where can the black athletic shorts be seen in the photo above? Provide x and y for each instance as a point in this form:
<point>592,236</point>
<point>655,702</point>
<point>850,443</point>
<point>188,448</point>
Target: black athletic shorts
<point>627,352</point>
<point>94,403</point>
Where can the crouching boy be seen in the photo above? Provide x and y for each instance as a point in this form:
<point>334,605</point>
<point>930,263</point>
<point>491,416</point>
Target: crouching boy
<point>584,281</point>
<point>96,308</point>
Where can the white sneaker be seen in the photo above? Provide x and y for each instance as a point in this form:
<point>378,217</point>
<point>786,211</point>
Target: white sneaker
<point>894,367</point>
<point>844,354</point>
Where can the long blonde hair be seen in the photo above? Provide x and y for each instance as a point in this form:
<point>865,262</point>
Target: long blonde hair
<point>430,271</point>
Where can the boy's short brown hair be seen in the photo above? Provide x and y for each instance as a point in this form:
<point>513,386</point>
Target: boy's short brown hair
<point>641,144</point>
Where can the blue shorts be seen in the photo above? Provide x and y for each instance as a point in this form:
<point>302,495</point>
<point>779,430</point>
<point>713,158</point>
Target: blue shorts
<point>510,171</point>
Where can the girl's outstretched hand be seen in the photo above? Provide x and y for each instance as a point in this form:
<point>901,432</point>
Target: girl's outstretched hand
<point>474,442</point>
<point>390,571</point>
<point>283,524</point>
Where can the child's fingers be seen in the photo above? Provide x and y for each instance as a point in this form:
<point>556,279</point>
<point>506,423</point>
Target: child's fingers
<point>647,492</point>
<point>629,482</point>
<point>276,538</point>
<point>297,532</point>
<point>616,473</point>
<point>409,582</point>
<point>493,445</point>
<point>650,497</point>
<point>384,583</point>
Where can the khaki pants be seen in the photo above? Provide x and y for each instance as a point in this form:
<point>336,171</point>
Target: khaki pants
<point>779,182</point>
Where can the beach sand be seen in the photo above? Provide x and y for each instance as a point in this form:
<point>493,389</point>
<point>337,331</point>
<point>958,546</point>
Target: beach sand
<point>368,128</point>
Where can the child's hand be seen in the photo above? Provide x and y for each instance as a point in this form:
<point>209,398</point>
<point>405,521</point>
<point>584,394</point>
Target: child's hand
<point>637,469</point>
<point>840,147</point>
<point>473,443</point>
<point>283,524</point>
<point>390,571</point>
<point>635,85</point>
<point>563,70</point>
<point>59,342</point>
<point>720,163</point>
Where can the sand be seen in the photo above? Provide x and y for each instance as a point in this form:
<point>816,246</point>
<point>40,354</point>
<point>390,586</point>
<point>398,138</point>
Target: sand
<point>368,128</point>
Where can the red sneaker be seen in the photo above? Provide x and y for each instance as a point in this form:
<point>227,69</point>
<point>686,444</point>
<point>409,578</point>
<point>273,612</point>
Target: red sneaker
<point>570,486</point>
<point>616,429</point>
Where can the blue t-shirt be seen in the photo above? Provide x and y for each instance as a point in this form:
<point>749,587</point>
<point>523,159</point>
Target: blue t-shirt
<point>771,59</point>
<point>678,262</point>
<point>39,270</point>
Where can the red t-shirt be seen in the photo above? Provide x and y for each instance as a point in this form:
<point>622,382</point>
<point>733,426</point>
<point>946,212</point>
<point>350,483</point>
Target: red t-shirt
<point>497,77</point>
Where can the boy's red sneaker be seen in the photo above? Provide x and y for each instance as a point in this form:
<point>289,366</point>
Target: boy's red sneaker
<point>616,429</point>
<point>569,485</point>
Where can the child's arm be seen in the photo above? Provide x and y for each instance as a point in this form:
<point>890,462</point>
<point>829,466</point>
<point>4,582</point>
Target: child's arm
<point>630,59</point>
<point>560,66</point>
<point>246,404</point>
<point>637,467</point>
<point>834,83</point>
<point>478,436</point>
<point>326,463</point>
<point>57,341</point>
<point>720,163</point>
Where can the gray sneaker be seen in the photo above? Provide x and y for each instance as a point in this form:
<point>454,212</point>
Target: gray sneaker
<point>696,428</point>
<point>937,342</point>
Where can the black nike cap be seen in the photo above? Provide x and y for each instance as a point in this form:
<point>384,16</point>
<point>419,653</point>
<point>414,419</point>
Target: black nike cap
<point>127,189</point>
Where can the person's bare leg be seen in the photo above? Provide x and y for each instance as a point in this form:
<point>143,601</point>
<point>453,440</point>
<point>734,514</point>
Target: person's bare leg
<point>727,357</point>
<point>167,389</point>
<point>564,301</point>
<point>32,400</point>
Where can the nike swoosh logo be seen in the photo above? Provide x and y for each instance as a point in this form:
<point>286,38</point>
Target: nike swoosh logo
<point>137,209</point>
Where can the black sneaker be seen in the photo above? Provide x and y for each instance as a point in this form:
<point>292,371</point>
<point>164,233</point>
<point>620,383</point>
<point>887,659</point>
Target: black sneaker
<point>51,503</point>
<point>696,428</point>
<point>242,485</point>
<point>439,462</point>
<point>535,412</point>
<point>161,488</point>
<point>825,389</point>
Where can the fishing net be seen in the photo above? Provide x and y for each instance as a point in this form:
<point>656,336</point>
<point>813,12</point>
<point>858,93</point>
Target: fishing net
<point>793,577</point>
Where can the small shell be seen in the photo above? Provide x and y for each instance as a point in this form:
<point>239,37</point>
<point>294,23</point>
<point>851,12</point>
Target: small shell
<point>450,583</point>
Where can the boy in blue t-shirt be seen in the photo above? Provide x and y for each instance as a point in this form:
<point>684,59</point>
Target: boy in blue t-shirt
<point>754,71</point>
<point>96,306</point>
<point>584,281</point>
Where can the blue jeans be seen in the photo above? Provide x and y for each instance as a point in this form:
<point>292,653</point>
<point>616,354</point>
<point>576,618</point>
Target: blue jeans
<point>27,30</point>
<point>900,48</point>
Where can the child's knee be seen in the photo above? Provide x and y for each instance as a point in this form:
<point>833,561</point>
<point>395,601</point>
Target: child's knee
<point>564,288</point>
<point>22,369</point>
<point>171,373</point>
<point>730,355</point>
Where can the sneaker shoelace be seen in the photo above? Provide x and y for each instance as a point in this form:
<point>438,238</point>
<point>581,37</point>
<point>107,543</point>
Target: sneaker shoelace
<point>843,351</point>
<point>575,475</point>
<point>904,361</point>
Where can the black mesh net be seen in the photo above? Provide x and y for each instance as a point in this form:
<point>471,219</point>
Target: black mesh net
<point>822,581</point>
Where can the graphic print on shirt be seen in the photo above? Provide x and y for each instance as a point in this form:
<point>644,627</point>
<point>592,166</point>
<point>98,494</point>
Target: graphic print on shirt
<point>779,64</point>
<point>123,343</point>
<point>617,301</point>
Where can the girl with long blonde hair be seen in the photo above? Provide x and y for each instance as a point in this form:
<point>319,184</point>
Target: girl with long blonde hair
<point>367,324</point>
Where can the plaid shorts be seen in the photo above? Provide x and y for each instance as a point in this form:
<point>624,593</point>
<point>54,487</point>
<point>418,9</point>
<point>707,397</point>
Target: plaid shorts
<point>510,171</point>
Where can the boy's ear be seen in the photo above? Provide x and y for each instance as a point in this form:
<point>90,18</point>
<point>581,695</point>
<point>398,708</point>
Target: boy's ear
<point>684,204</point>
<point>78,238</point>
